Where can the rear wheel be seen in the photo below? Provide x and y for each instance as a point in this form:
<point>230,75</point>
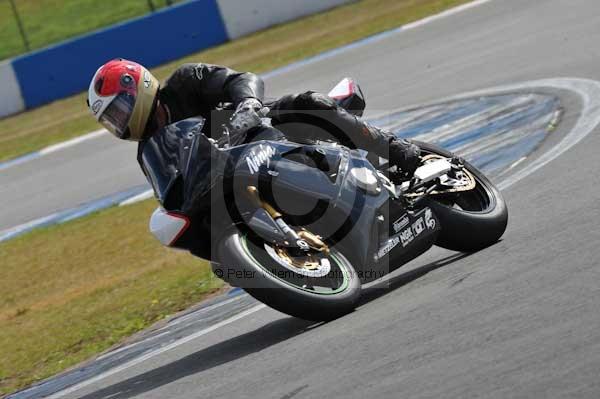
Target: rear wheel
<point>315,287</point>
<point>471,220</point>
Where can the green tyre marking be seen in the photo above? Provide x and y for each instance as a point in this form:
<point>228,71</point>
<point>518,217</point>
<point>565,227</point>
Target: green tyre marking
<point>337,291</point>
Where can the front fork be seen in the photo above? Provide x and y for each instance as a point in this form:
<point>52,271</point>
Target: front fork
<point>303,239</point>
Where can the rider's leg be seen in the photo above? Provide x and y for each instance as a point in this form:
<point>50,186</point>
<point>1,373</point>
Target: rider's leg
<point>321,111</point>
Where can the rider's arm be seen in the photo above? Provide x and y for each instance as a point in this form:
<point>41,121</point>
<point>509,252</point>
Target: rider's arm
<point>218,84</point>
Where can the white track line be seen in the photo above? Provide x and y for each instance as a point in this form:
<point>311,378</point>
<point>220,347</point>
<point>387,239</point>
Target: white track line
<point>140,197</point>
<point>589,93</point>
<point>156,352</point>
<point>587,90</point>
<point>171,324</point>
<point>375,38</point>
<point>25,226</point>
<point>50,149</point>
<point>444,14</point>
<point>72,142</point>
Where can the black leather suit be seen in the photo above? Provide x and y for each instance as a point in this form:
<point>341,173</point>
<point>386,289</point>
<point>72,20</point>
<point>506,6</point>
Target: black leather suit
<point>211,90</point>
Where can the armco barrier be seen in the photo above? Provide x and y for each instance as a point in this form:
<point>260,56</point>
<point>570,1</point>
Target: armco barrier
<point>66,68</point>
<point>246,16</point>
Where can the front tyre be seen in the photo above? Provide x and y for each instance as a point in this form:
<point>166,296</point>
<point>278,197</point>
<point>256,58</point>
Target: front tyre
<point>266,273</point>
<point>470,220</point>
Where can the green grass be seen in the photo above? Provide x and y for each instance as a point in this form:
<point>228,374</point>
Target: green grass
<point>71,291</point>
<point>50,21</point>
<point>260,52</point>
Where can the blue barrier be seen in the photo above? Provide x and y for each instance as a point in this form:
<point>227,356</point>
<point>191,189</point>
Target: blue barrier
<point>67,68</point>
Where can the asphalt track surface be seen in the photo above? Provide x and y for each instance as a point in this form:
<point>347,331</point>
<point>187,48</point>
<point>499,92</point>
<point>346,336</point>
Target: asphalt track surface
<point>519,319</point>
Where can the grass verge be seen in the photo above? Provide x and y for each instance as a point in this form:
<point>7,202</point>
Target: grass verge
<point>71,291</point>
<point>260,52</point>
<point>49,21</point>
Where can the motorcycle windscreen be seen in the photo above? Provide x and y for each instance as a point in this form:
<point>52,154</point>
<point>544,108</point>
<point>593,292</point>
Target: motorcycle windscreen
<point>181,164</point>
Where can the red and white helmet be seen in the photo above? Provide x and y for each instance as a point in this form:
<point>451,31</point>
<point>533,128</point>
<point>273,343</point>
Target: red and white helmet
<point>122,97</point>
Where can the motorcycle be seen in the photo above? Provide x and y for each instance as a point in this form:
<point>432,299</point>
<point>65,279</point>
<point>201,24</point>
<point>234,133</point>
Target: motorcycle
<point>302,226</point>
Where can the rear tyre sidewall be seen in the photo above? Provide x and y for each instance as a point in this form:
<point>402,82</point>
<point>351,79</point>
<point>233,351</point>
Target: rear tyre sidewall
<point>278,294</point>
<point>468,231</point>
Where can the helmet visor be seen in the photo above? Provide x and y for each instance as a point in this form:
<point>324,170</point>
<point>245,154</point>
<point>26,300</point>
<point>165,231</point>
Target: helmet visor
<point>117,115</point>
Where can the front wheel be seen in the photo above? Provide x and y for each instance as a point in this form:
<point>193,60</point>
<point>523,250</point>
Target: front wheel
<point>318,287</point>
<point>470,220</point>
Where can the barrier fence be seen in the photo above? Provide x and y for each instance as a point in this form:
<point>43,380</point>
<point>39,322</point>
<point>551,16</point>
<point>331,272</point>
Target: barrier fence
<point>27,25</point>
<point>166,34</point>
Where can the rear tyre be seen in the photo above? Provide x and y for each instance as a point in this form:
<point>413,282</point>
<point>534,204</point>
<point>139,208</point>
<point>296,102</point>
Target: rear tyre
<point>470,220</point>
<point>250,263</point>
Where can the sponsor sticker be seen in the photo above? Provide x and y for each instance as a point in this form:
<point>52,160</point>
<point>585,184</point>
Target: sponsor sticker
<point>199,72</point>
<point>260,157</point>
<point>422,223</point>
<point>418,226</point>
<point>407,232</point>
<point>391,244</point>
<point>401,223</point>
<point>429,220</point>
<point>96,106</point>
<point>147,80</point>
<point>407,237</point>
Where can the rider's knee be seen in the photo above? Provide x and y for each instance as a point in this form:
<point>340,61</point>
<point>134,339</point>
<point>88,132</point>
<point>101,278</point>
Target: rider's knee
<point>308,107</point>
<point>313,101</point>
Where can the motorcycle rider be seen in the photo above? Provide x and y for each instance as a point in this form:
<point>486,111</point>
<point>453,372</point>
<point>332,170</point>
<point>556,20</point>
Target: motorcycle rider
<point>129,102</point>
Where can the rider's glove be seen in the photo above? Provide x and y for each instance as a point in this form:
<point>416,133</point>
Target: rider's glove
<point>249,104</point>
<point>246,116</point>
<point>405,155</point>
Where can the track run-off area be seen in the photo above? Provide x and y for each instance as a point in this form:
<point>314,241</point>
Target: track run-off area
<point>512,85</point>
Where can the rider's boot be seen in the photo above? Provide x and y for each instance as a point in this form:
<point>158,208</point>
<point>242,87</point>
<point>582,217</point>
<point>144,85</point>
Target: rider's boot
<point>400,152</point>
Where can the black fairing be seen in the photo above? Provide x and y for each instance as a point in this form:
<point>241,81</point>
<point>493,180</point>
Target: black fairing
<point>309,184</point>
<point>182,165</point>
